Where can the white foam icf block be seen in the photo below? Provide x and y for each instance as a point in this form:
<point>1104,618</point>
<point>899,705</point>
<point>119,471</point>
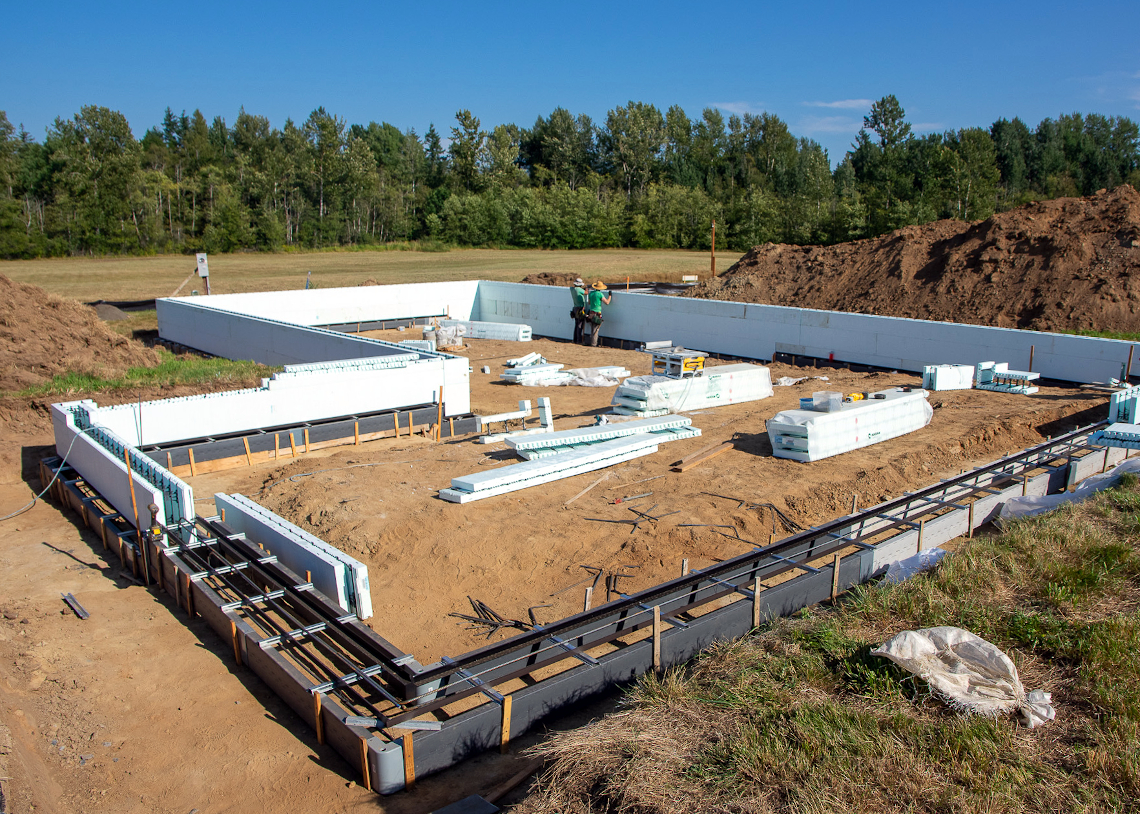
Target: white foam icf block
<point>948,377</point>
<point>595,433</point>
<point>530,470</point>
<point>558,467</point>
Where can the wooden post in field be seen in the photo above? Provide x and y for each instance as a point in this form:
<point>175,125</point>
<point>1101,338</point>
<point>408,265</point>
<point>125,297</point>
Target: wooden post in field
<point>712,265</point>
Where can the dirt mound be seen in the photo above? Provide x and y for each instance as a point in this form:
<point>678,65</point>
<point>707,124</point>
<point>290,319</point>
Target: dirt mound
<point>1067,264</point>
<point>42,335</point>
<point>550,278</point>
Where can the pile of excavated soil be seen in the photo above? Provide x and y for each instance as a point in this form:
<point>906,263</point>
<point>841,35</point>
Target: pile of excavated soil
<point>550,278</point>
<point>42,335</point>
<point>1063,265</point>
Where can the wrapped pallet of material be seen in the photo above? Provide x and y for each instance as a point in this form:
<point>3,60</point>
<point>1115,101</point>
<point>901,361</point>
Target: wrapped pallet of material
<point>810,435</point>
<point>948,377</point>
<point>726,384</point>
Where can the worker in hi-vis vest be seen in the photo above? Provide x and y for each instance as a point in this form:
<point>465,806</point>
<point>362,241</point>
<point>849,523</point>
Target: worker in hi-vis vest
<point>597,298</point>
<point>578,312</point>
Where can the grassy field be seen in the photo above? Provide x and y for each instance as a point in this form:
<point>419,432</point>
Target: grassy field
<point>802,718</point>
<point>136,278</point>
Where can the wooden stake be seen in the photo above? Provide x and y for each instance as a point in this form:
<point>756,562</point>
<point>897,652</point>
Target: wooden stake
<point>138,528</point>
<point>169,461</point>
<point>685,567</point>
<point>439,417</point>
<point>411,423</point>
<point>318,720</point>
<point>712,256</point>
<point>921,529</point>
<point>189,596</point>
<point>657,638</point>
<point>222,514</point>
<point>700,457</point>
<point>589,598</point>
<point>308,576</point>
<point>276,446</point>
<point>365,769</point>
<point>178,587</point>
<point>755,603</point>
<point>193,470</point>
<point>1128,370</point>
<point>505,729</point>
<point>306,440</point>
<point>588,488</point>
<point>237,644</point>
<point>409,761</point>
<point>854,503</point>
<point>356,431</point>
<point>1031,349</point>
<point>835,576</point>
<point>970,533</point>
<point>292,444</point>
<point>451,428</point>
<point>396,419</point>
<point>248,456</point>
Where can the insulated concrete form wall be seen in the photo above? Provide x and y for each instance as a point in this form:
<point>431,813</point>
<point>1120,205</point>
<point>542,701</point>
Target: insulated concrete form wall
<point>338,576</point>
<point>340,306</point>
<point>106,473</point>
<point>238,336</point>
<point>758,331</point>
<point>291,400</point>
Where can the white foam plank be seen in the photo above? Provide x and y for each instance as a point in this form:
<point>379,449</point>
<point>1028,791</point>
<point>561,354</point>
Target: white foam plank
<point>529,470</point>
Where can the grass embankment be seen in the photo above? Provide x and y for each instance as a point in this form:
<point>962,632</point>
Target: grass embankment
<point>171,371</point>
<point>801,718</point>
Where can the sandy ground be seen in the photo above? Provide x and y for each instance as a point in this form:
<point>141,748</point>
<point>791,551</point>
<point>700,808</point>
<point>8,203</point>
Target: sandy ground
<point>134,710</point>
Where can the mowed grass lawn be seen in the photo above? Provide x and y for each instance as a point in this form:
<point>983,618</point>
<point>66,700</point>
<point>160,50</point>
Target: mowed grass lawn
<point>136,278</point>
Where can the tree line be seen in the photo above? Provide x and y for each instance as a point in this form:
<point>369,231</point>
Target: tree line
<point>641,178</point>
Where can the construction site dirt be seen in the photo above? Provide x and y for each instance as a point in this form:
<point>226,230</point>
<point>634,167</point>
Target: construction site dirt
<point>133,709</point>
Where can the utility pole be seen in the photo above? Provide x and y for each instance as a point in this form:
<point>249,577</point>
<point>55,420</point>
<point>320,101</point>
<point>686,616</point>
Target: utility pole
<point>712,268</point>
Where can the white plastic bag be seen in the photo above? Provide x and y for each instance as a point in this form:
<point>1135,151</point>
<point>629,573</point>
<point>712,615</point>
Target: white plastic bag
<point>971,674</point>
<point>1032,505</point>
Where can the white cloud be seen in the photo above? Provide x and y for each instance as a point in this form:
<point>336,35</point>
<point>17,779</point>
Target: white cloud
<point>829,124</point>
<point>740,108</point>
<point>844,104</point>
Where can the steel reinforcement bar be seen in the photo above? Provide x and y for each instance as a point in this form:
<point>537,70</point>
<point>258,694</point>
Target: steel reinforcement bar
<point>366,698</point>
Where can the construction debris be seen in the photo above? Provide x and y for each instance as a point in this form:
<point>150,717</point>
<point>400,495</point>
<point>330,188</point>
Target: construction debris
<point>1124,413</point>
<point>699,457</point>
<point>73,603</point>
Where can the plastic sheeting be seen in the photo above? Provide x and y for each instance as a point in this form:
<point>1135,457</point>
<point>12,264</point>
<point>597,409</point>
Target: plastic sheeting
<point>971,674</point>
<point>1032,505</point>
<point>901,570</point>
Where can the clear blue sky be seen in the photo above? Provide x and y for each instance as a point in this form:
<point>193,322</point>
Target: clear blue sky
<point>816,65</point>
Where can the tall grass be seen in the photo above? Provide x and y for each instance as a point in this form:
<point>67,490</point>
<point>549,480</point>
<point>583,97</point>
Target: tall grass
<point>801,718</point>
<point>171,371</point>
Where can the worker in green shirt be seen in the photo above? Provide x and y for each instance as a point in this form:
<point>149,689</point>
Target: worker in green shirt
<point>578,312</point>
<point>597,298</point>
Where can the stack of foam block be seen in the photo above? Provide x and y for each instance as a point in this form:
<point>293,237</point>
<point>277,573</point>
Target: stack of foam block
<point>810,435</point>
<point>663,428</point>
<point>998,377</point>
<point>490,330</point>
<point>948,377</point>
<point>1124,413</point>
<point>570,453</point>
<point>647,396</point>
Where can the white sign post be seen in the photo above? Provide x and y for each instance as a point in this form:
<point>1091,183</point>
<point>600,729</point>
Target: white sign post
<point>203,269</point>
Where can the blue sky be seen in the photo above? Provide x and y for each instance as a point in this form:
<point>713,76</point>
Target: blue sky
<point>816,65</point>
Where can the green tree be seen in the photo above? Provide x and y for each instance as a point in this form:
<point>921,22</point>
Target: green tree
<point>467,152</point>
<point>632,142</point>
